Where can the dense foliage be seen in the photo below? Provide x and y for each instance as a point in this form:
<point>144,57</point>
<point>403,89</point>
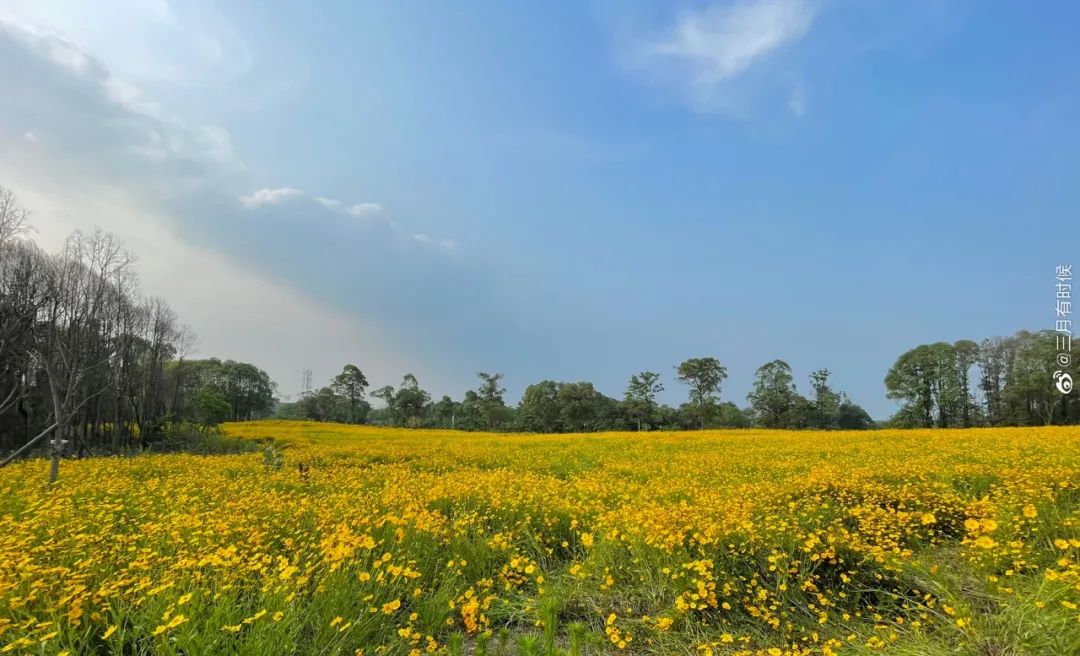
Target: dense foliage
<point>1004,381</point>
<point>565,407</point>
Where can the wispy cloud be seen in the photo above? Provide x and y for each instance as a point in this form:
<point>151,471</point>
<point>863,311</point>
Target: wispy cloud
<point>445,244</point>
<point>367,210</point>
<point>356,209</point>
<point>363,209</point>
<point>706,51</point>
<point>264,197</point>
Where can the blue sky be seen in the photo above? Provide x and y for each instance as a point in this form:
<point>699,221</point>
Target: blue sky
<point>568,191</point>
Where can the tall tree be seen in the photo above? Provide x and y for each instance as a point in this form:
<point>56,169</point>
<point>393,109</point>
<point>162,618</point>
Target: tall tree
<point>911,380</point>
<point>582,407</point>
<point>992,362</point>
<point>773,399</point>
<point>407,403</point>
<point>826,402</point>
<point>967,355</point>
<point>444,412</point>
<point>350,384</point>
<point>539,410</point>
<point>14,219</point>
<point>640,399</point>
<point>704,376</point>
<point>493,410</point>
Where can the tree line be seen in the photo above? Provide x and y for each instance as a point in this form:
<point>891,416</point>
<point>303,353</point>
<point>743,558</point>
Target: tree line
<point>559,407</point>
<point>1001,381</point>
<point>90,365</point>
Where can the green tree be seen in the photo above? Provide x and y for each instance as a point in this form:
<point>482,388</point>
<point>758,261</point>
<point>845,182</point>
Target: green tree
<point>967,355</point>
<point>211,408</point>
<point>704,376</point>
<point>350,384</point>
<point>470,417</point>
<point>406,404</point>
<point>911,381</point>
<point>850,416</point>
<point>539,410</point>
<point>640,399</point>
<point>730,415</point>
<point>581,407</point>
<point>826,402</point>
<point>492,407</point>
<point>444,412</point>
<point>410,401</point>
<point>773,399</point>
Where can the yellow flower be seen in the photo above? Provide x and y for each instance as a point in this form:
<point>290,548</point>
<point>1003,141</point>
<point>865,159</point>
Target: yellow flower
<point>928,518</point>
<point>108,632</point>
<point>1030,512</point>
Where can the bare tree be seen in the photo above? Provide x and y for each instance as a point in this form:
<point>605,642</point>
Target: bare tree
<point>21,297</point>
<point>14,219</point>
<point>79,291</point>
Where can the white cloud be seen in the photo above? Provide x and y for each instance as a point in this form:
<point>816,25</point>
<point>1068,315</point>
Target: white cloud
<point>445,244</point>
<point>328,202</point>
<point>363,209</point>
<point>356,209</point>
<point>30,136</point>
<point>367,210</point>
<point>706,50</point>
<point>264,197</point>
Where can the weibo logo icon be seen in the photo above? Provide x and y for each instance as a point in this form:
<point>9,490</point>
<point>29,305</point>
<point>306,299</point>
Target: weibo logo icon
<point>1063,382</point>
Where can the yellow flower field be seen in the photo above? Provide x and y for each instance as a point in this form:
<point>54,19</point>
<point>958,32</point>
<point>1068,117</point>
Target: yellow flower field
<point>348,540</point>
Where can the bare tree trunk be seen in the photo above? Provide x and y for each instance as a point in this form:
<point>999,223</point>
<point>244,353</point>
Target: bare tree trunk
<point>57,441</point>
